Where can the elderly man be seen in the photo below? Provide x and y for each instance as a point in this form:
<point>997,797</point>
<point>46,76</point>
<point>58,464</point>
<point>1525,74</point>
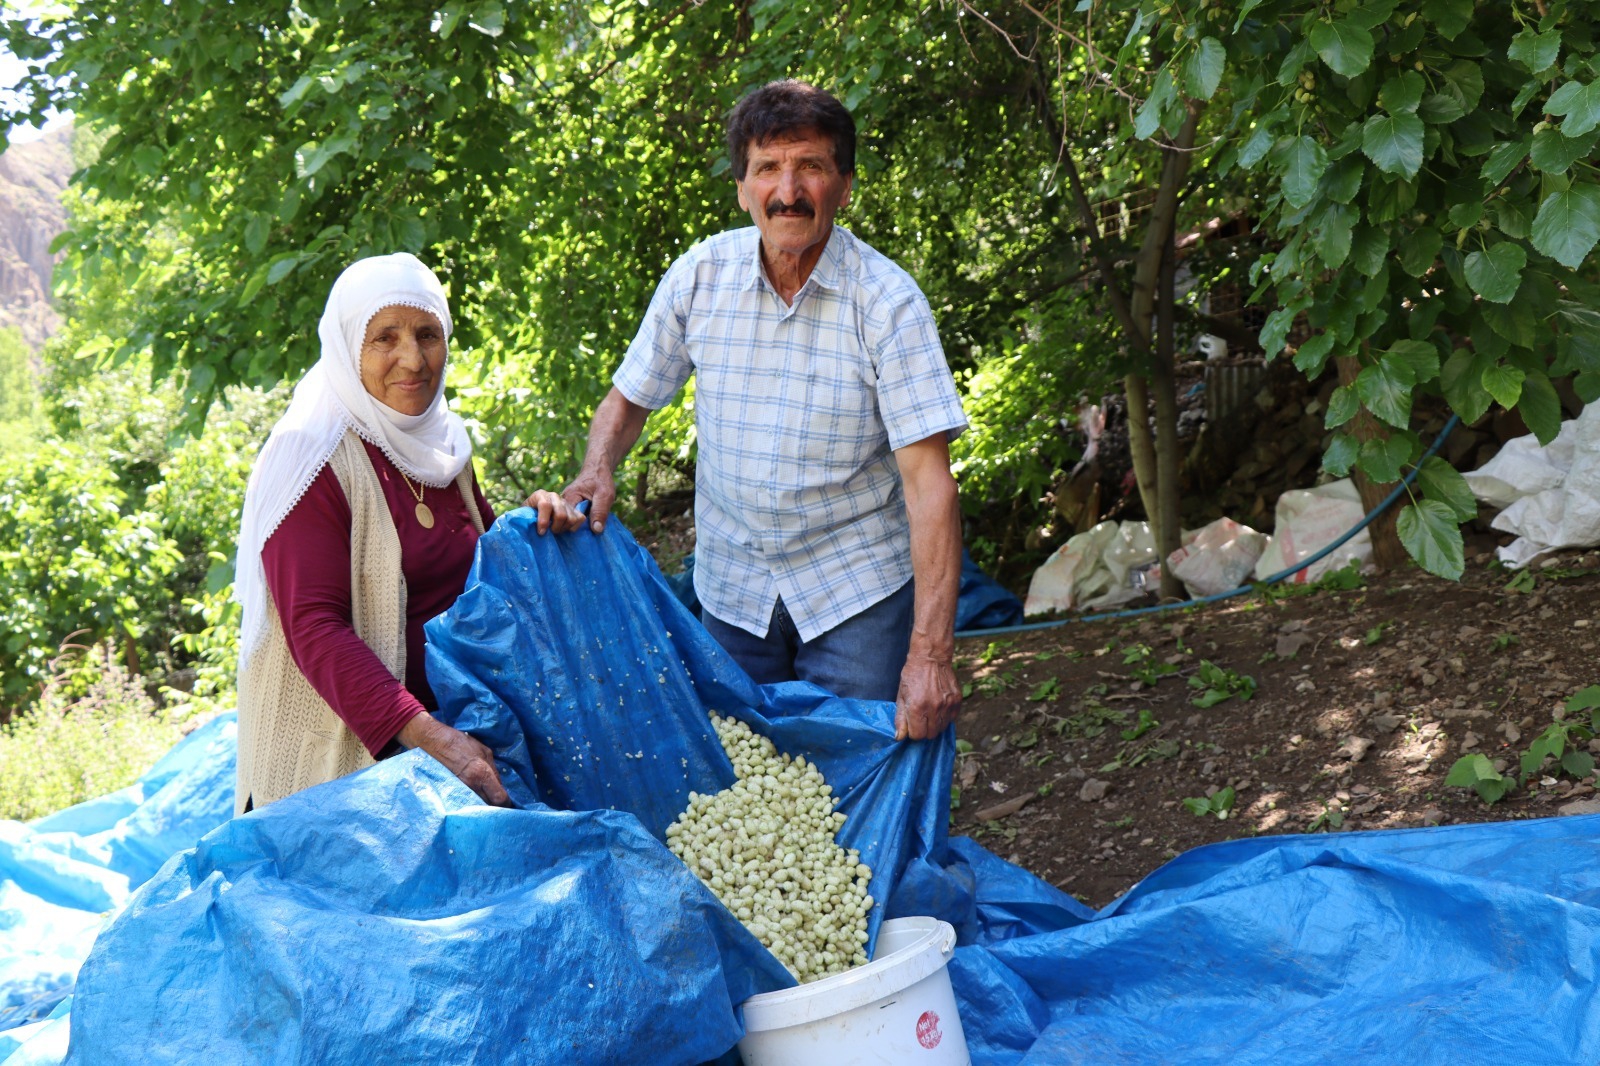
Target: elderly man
<point>829,536</point>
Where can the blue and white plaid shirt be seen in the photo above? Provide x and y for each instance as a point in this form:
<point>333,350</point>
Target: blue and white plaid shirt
<point>798,410</point>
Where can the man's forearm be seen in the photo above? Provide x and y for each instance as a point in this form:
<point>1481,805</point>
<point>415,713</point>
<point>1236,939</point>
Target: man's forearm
<point>617,424</point>
<point>934,510</point>
<point>936,570</point>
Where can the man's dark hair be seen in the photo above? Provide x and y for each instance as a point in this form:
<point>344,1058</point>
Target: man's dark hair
<point>789,106</point>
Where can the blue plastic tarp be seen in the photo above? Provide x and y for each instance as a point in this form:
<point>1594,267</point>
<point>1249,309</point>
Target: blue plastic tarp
<point>390,917</point>
<point>60,875</point>
<point>983,603</point>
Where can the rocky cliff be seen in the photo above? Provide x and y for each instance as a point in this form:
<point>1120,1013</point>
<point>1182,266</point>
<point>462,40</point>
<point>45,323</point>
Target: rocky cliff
<point>32,177</point>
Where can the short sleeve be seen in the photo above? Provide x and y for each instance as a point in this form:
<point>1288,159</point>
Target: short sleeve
<point>917,395</point>
<point>658,363</point>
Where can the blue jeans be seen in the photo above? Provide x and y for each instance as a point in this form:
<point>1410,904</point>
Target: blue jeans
<point>860,658</point>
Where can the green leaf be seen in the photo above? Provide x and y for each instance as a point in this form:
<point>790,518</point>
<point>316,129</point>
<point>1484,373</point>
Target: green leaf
<point>1450,16</point>
<point>256,232</point>
<point>1342,181</point>
<point>1421,356</point>
<point>1384,388</point>
<point>280,268</point>
<point>1384,458</point>
<point>1554,151</point>
<point>1312,356</point>
<point>1540,407</point>
<point>1345,47</point>
<point>1496,272</point>
<point>489,19</point>
<point>450,18</point>
<point>1568,225</point>
<point>1438,109</point>
<point>1513,321</point>
<point>1256,146</point>
<point>1332,238</point>
<point>1341,454</point>
<point>1503,160</point>
<point>1443,482</point>
<point>1302,161</point>
<point>1394,143</point>
<point>1342,407</point>
<point>1583,114</point>
<point>1465,216</point>
<point>1419,251</point>
<point>1504,384</point>
<point>1578,763</point>
<point>1536,51</point>
<point>1245,9</point>
<point>1469,770</point>
<point>1431,534</point>
<point>1276,330</point>
<point>1202,71</point>
<point>1369,250</point>
<point>1403,92</point>
<point>1562,99</point>
<point>1461,380</point>
<point>1463,80</point>
<point>1148,119</point>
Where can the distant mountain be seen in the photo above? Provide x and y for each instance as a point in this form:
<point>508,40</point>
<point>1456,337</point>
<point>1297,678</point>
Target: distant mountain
<point>32,177</point>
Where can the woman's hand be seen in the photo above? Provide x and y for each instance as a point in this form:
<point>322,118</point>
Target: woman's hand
<point>459,753</point>
<point>555,513</point>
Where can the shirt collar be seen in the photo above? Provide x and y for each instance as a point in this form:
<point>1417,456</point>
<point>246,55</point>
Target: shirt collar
<point>825,273</point>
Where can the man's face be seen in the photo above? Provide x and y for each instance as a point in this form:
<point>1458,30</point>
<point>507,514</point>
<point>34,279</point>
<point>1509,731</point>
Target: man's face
<point>792,189</point>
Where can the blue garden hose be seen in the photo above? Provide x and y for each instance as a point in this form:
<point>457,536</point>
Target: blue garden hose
<point>1242,589</point>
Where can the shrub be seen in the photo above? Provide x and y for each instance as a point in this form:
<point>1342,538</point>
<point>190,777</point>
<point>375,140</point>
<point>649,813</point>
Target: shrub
<point>76,748</point>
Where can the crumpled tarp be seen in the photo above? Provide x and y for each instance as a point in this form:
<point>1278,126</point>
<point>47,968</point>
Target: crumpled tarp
<point>60,875</point>
<point>392,917</point>
<point>1441,945</point>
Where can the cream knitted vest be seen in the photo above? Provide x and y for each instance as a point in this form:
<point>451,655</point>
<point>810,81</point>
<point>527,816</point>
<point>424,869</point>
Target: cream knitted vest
<point>289,738</point>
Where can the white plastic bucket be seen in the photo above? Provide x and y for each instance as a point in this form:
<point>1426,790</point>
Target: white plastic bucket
<point>897,1009</point>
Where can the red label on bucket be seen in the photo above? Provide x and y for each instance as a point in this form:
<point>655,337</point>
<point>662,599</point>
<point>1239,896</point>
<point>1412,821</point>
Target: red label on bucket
<point>928,1034</point>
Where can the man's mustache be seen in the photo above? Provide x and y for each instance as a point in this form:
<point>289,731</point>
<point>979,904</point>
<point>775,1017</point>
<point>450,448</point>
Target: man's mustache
<point>798,207</point>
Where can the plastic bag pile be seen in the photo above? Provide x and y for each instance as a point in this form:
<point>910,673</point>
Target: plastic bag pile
<point>390,917</point>
<point>1549,496</point>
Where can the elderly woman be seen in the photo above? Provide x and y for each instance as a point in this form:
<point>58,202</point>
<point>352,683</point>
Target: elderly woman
<point>359,525</point>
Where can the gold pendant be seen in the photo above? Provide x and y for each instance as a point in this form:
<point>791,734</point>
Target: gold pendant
<point>424,516</point>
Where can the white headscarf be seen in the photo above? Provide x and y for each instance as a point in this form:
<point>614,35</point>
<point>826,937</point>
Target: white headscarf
<point>432,447</point>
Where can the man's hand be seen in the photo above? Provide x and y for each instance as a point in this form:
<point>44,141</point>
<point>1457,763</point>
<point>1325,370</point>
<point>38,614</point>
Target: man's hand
<point>459,753</point>
<point>555,513</point>
<point>928,700</point>
<point>600,489</point>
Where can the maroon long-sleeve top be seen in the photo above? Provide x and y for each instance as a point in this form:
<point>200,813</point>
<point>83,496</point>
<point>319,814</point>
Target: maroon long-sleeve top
<point>307,562</point>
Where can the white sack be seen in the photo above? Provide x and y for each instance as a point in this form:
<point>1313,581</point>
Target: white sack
<point>1072,573</point>
<point>1133,547</point>
<point>1308,520</point>
<point>1524,467</point>
<point>1092,569</point>
<point>1555,491</point>
<point>1217,558</point>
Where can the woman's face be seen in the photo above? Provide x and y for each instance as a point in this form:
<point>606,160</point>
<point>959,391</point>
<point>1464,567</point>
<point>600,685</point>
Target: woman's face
<point>402,358</point>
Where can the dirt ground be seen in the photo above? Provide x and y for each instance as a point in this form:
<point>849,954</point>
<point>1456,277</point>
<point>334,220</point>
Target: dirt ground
<point>1091,761</point>
<point>1085,752</point>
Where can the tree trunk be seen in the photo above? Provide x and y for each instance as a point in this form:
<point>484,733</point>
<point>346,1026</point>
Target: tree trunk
<point>1142,447</point>
<point>1387,551</point>
<point>1169,532</point>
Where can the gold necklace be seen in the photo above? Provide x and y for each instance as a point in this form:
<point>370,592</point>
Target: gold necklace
<point>424,512</point>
